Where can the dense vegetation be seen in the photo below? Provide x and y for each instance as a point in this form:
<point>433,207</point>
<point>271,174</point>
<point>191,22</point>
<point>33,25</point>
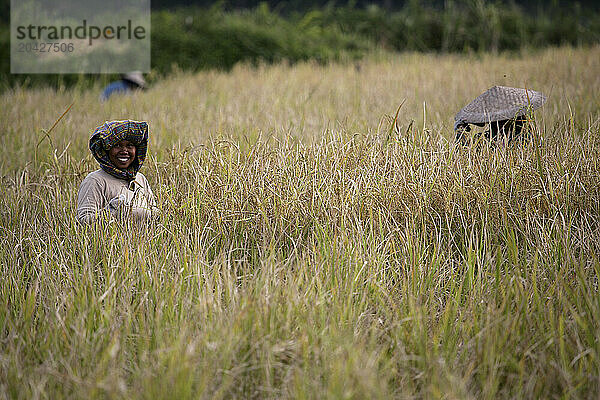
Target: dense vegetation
<point>314,241</point>
<point>216,38</point>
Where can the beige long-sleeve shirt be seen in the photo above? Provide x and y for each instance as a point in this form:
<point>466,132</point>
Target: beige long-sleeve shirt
<point>99,188</point>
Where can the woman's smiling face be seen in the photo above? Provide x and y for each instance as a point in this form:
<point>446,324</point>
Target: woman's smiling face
<point>122,154</point>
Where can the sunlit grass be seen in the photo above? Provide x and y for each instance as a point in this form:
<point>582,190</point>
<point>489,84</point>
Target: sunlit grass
<point>309,247</point>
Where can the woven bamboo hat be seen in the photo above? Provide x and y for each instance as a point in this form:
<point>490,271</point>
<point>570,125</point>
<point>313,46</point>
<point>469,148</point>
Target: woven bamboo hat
<point>135,77</point>
<point>499,103</point>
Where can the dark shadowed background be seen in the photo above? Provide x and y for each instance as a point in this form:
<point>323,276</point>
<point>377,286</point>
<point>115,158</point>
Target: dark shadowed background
<point>201,34</point>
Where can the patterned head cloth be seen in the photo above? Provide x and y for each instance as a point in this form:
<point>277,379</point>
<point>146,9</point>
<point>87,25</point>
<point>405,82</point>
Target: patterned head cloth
<point>109,134</point>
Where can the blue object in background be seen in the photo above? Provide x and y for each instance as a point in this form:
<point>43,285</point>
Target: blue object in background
<point>117,87</point>
<point>130,81</point>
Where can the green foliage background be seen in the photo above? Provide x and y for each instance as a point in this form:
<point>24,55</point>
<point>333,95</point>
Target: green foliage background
<point>216,38</point>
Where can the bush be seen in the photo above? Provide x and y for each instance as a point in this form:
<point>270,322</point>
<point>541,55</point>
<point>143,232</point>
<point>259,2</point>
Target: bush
<point>200,39</point>
<point>212,38</point>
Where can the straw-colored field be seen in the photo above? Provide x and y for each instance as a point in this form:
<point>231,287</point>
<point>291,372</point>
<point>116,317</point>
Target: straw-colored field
<point>307,248</point>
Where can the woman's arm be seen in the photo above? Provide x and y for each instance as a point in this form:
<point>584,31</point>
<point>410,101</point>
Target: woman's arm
<point>91,202</point>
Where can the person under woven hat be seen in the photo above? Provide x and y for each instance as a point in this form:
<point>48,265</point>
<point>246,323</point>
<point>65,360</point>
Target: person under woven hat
<point>129,82</point>
<point>117,189</point>
<point>503,109</point>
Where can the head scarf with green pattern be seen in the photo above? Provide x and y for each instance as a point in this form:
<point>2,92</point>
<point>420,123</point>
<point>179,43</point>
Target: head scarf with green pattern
<point>109,134</point>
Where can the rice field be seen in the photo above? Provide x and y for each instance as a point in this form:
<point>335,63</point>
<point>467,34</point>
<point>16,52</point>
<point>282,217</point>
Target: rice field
<point>320,236</point>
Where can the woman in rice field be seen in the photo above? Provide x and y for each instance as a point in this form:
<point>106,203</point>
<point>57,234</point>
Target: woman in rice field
<point>117,189</point>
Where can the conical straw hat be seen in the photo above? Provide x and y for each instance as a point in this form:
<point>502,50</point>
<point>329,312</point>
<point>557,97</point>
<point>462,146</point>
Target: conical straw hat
<point>500,103</point>
<point>135,77</point>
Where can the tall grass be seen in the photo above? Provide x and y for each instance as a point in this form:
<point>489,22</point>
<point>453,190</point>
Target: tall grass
<point>310,245</point>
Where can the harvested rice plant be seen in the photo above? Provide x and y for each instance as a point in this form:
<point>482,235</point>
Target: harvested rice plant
<point>320,236</point>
